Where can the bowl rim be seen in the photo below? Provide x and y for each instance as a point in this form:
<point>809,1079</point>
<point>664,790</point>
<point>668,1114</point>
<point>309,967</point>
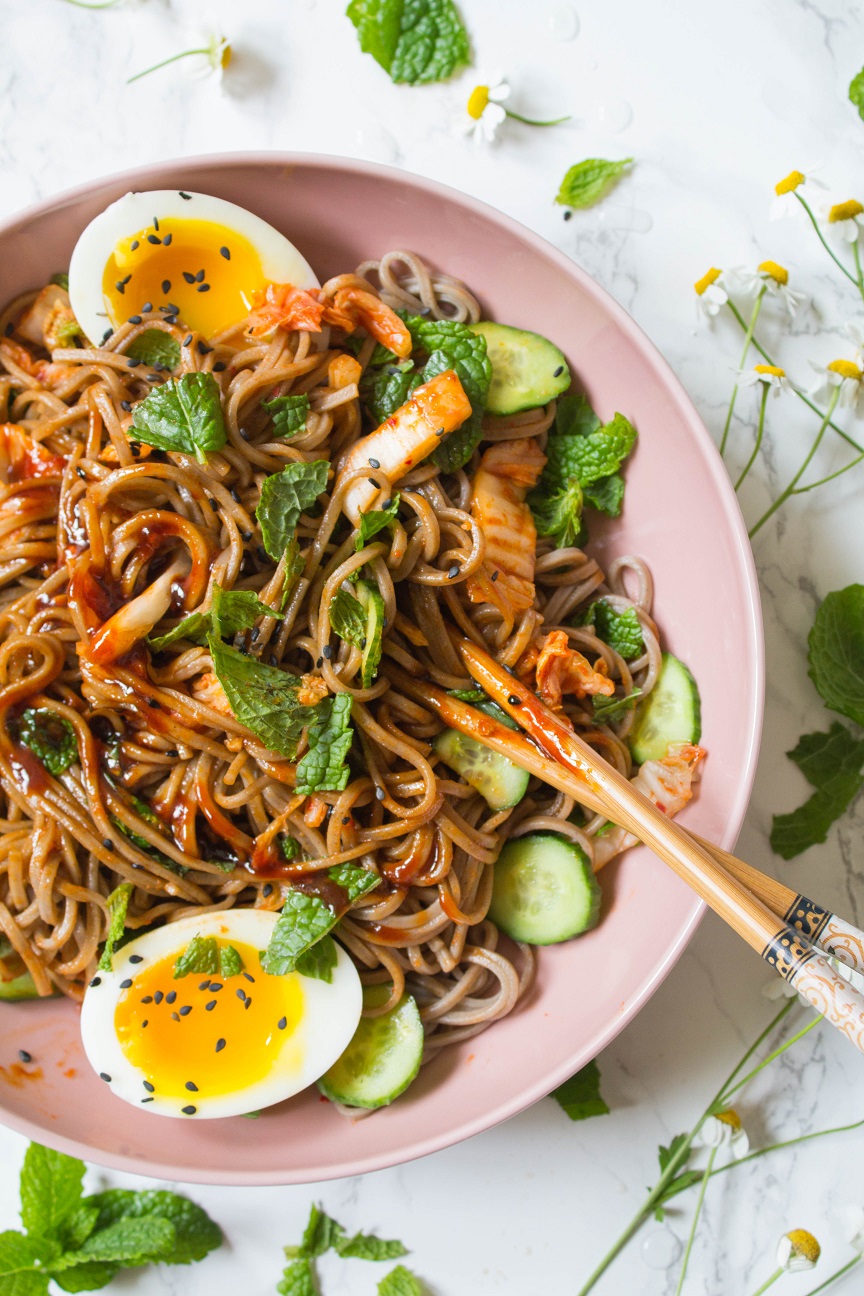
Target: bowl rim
<point>138,177</point>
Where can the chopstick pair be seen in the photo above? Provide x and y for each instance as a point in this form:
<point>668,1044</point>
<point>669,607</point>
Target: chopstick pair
<point>789,931</point>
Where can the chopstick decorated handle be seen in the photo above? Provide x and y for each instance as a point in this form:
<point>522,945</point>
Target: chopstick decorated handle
<point>779,944</point>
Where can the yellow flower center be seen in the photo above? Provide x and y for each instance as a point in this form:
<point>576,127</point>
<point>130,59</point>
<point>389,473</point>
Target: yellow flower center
<point>845,211</point>
<point>774,271</point>
<point>730,1117</point>
<point>477,101</point>
<point>846,369</point>
<point>805,1244</point>
<point>790,183</point>
<point>227,52</point>
<point>775,372</point>
<point>707,280</point>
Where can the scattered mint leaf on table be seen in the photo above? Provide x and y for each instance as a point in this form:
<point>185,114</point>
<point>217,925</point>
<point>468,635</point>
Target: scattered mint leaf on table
<point>400,1282</point>
<point>184,414</point>
<point>284,497</point>
<point>836,652</point>
<point>580,1096</point>
<point>587,182</point>
<point>322,768</point>
<point>833,763</point>
<point>155,347</point>
<point>289,413</point>
<point>856,92</point>
<point>415,41</point>
<point>365,1246</point>
<point>50,1190</point>
<point>50,737</point>
<point>297,1279</point>
<point>118,903</point>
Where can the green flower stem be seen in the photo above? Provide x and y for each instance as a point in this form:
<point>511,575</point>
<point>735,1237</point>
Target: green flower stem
<point>816,1021</point>
<point>757,444</point>
<point>748,339</point>
<point>776,1147</point>
<point>173,59</point>
<point>857,255</point>
<point>801,395</point>
<point>790,489</point>
<point>698,1211</point>
<point>769,1282</point>
<point>532,121</point>
<point>802,490</point>
<point>821,237</point>
<point>850,1264</point>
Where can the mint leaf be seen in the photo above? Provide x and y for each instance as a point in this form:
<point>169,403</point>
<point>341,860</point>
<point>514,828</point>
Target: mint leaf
<point>319,961</point>
<point>374,521</point>
<point>575,417</point>
<point>665,1154</point>
<point>86,1275</point>
<point>620,630</point>
<point>60,280</point>
<point>200,955</point>
<point>583,459</point>
<point>832,762</point>
<point>451,345</point>
<point>230,961</point>
<point>118,903</point>
<point>606,494</point>
<point>304,920</point>
<point>289,413</point>
<point>385,390</point>
<point>400,1282</point>
<point>836,652</point>
<point>290,847</point>
<point>195,627</point>
<point>323,768</point>
<point>155,347</point>
<point>365,1246</point>
<point>353,879</point>
<point>414,40</point>
<point>589,181</point>
<point>608,709</point>
<point>348,618</point>
<point>297,1279</point>
<point>580,1096</point>
<point>321,1233</point>
<point>78,1226</point>
<point>149,816</point>
<point>285,496</point>
<point>19,1256</point>
<point>195,1233</point>
<point>129,1242</point>
<point>559,513</point>
<point>50,1189</point>
<point>856,92</point>
<point>262,698</point>
<point>230,612</point>
<point>50,737</point>
<point>590,457</point>
<point>184,414</point>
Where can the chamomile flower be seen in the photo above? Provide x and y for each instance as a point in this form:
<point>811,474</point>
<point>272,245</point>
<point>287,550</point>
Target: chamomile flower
<point>775,280</point>
<point>845,219</point>
<point>483,112</point>
<point>769,375</point>
<point>711,292</point>
<point>212,57</point>
<point>845,374</point>
<point>797,1250</point>
<point>782,203</point>
<point>725,1130</point>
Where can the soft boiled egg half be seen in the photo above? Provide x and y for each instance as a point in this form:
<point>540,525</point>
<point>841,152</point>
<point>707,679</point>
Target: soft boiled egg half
<point>208,1045</point>
<point>203,257</point>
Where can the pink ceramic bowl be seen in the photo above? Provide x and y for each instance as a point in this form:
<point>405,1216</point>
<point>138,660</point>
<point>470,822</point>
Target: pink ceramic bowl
<point>680,513</point>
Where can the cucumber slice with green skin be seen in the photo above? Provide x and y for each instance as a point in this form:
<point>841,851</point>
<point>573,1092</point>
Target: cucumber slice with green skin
<point>544,890</point>
<point>383,1057</point>
<point>671,713</point>
<point>373,605</point>
<point>527,369</point>
<point>501,783</point>
<point>21,987</point>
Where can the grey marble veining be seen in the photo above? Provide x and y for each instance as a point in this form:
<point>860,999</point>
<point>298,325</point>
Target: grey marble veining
<point>725,100</point>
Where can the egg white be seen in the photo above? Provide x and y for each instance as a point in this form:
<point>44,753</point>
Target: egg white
<point>280,259</point>
<point>329,1016</point>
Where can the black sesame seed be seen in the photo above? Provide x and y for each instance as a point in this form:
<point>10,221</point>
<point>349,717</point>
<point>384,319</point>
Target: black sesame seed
<point>215,985</point>
<point>208,1007</point>
<point>146,308</point>
<point>203,348</point>
<point>262,553</point>
<point>134,245</point>
<point>440,432</point>
<point>191,1086</point>
<point>282,1023</point>
<point>327,652</point>
<point>241,993</point>
<point>151,238</point>
<point>158,997</point>
<point>120,286</point>
<point>255,635</point>
<point>374,463</point>
<point>166,242</point>
<point>371,481</point>
<point>103,1075</point>
<point>148,999</point>
<point>244,433</point>
<point>173,309</point>
<point>126,984</point>
<point>156,224</point>
<point>159,367</point>
<point>144,1024</point>
<point>204,985</point>
<point>96,981</point>
<point>132,362</point>
<point>247,536</point>
<point>184,195</point>
<point>388,503</point>
<point>319,663</point>
<point>249,977</point>
<point>248,1002</point>
<point>558,372</point>
<point>190,278</point>
<point>219,365</point>
<point>235,494</point>
<point>126,405</point>
<point>214,504</point>
<point>220,1044</point>
<point>166,286</point>
<point>568,215</point>
<point>514,700</point>
<point>274,660</point>
<point>149,1087</point>
<point>223,251</point>
<point>380,794</point>
<point>171,996</point>
<point>198,277</point>
<point>268,890</point>
<point>153,702</point>
<point>453,571</point>
<point>146,1099</point>
<point>175,1016</point>
<point>24,1056</point>
<point>363,644</point>
<point>106,335</point>
<point>185,1010</point>
<point>172,318</point>
<point>108,843</point>
<point>187,339</point>
<point>494,575</point>
<point>189,1111</point>
<point>172,754</point>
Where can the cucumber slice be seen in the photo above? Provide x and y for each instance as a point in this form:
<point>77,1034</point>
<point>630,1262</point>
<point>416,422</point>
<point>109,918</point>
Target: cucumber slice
<point>527,369</point>
<point>501,783</point>
<point>383,1057</point>
<point>21,987</point>
<point>671,713</point>
<point>373,605</point>
<point>544,890</point>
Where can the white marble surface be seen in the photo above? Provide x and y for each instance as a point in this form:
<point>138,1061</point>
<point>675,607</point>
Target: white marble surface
<point>724,99</point>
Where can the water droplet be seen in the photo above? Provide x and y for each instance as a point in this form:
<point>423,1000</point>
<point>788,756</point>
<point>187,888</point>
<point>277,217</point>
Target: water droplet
<point>617,217</point>
<point>377,144</point>
<point>661,1249</point>
<point>614,115</point>
<point>563,23</point>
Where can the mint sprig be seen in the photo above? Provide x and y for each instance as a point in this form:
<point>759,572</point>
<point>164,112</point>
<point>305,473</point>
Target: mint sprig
<point>285,496</point>
<point>580,1096</point>
<point>323,1234</point>
<point>118,904</point>
<point>416,41</point>
<point>184,414</point>
<point>306,919</point>
<point>586,183</point>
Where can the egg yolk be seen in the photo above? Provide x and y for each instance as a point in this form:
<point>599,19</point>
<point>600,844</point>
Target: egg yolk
<point>206,1034</point>
<point>205,272</point>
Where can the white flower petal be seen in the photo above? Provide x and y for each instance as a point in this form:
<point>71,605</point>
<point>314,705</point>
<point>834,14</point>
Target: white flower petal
<point>493,115</point>
<point>497,94</point>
